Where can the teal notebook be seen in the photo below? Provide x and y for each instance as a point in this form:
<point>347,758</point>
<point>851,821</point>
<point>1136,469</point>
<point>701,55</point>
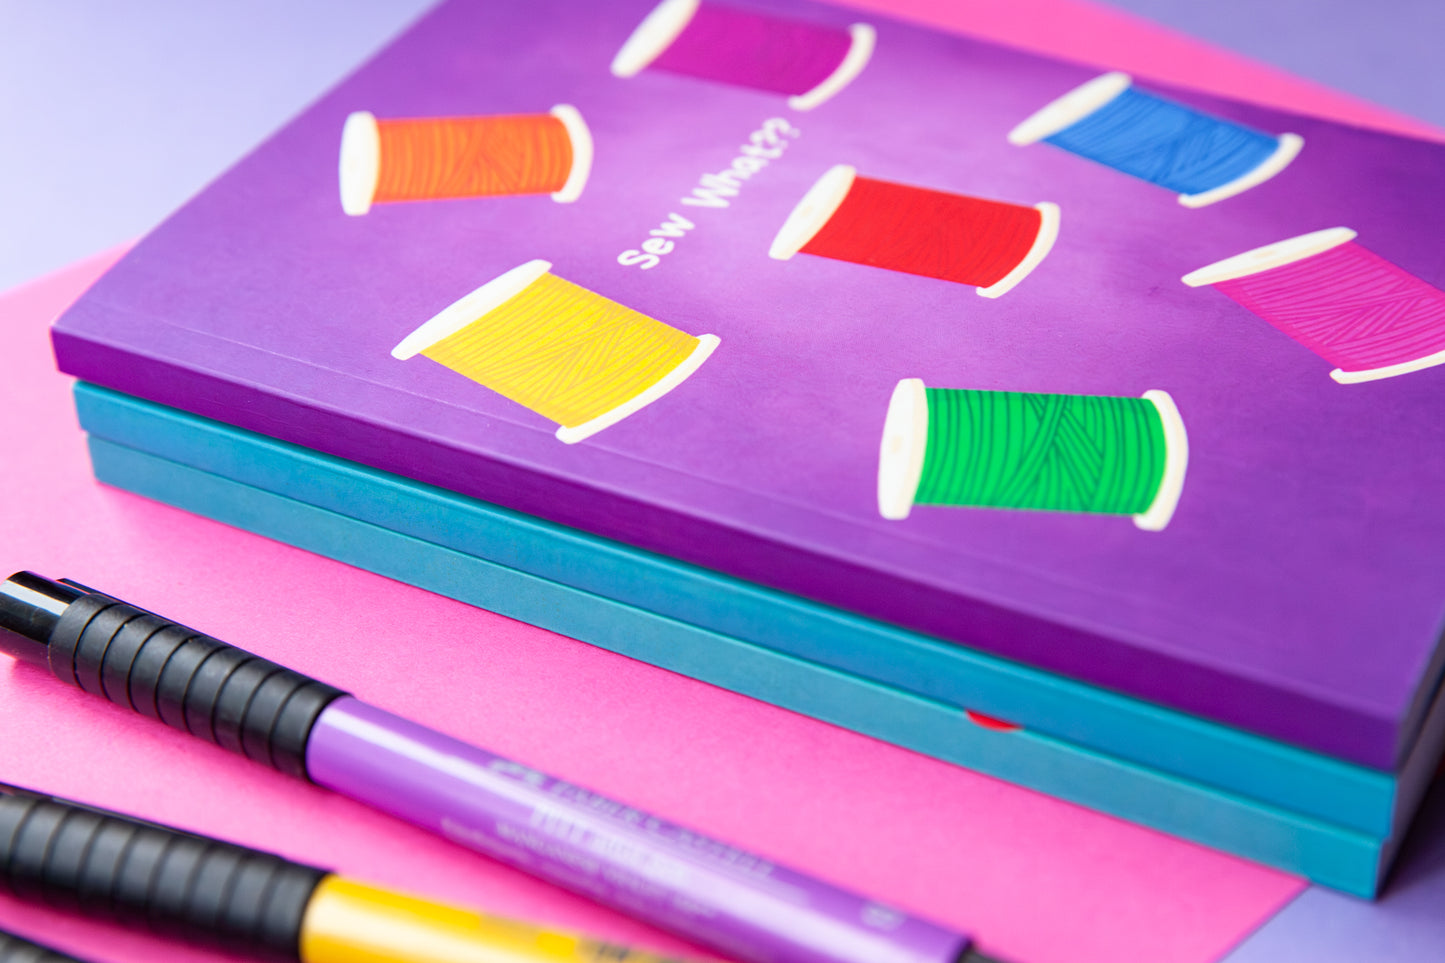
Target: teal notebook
<point>1331,821</point>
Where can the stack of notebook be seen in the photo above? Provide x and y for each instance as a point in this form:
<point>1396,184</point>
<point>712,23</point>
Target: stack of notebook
<point>1072,429</point>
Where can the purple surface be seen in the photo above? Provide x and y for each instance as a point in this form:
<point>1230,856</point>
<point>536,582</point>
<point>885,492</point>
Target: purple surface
<point>116,113</point>
<point>1297,590</point>
<point>737,903</point>
<point>1405,925</point>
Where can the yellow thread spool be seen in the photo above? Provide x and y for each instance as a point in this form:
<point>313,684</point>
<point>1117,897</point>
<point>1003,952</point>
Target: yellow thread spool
<point>559,349</point>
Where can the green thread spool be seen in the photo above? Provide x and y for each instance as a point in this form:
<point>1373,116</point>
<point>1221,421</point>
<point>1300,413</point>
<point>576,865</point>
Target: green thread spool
<point>1026,450</point>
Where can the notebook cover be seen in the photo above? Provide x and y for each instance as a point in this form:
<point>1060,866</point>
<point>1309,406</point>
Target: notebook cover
<point>1295,590</point>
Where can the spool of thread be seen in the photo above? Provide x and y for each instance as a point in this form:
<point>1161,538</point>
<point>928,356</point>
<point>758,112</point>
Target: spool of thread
<point>1204,158</point>
<point>1024,450</point>
<point>1343,302</point>
<point>559,349</point>
<point>807,62</point>
<point>991,245</point>
<point>432,158</point>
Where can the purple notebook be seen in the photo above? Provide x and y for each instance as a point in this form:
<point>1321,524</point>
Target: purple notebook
<point>1124,382</point>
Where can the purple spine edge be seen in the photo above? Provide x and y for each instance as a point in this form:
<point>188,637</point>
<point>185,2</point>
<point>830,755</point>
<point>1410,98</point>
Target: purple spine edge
<point>1273,708</point>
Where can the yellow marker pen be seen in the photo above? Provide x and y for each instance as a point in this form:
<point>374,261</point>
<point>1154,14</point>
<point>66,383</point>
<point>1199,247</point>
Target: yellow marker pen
<point>247,901</point>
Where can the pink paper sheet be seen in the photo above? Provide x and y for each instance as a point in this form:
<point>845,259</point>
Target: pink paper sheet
<point>1037,879</point>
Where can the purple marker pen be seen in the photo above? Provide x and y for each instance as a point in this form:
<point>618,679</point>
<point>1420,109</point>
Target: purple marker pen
<point>738,903</point>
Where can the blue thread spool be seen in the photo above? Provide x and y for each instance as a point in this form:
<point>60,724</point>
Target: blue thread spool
<point>1204,158</point>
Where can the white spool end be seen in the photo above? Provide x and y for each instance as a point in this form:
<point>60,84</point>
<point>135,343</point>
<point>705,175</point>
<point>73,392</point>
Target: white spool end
<point>1069,109</point>
<point>653,35</point>
<point>1043,244</point>
<point>900,455</point>
<point>706,344</point>
<point>582,152</point>
<point>860,51</point>
<point>1270,256</point>
<point>360,164</point>
<point>1176,464</point>
<point>1287,150</point>
<point>813,211</point>
<point>1387,371</point>
<point>469,308</point>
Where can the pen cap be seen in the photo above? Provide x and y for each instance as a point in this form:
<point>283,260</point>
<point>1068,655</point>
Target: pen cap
<point>164,670</point>
<point>30,607</point>
<point>14,949</point>
<point>104,864</point>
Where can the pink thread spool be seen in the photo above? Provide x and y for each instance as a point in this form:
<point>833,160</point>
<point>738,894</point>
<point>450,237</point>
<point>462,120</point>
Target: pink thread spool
<point>1343,302</point>
<point>808,62</point>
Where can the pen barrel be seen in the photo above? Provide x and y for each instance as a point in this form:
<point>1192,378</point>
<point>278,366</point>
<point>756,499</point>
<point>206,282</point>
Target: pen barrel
<point>188,680</point>
<point>14,949</point>
<point>111,866</point>
<point>742,905</point>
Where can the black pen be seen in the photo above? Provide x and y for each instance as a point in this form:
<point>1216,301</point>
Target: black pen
<point>247,901</point>
<point>742,904</point>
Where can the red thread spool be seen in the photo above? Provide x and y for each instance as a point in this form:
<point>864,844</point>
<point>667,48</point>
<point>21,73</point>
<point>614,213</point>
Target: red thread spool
<point>432,158</point>
<point>991,245</point>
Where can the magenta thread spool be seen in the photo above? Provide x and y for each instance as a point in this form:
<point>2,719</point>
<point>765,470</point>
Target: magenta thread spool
<point>1345,303</point>
<point>807,62</point>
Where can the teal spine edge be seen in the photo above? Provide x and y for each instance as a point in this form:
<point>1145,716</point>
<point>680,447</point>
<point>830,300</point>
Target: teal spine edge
<point>1324,853</point>
<point>1179,744</point>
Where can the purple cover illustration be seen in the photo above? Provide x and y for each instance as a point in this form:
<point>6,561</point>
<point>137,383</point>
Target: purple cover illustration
<point>743,272</point>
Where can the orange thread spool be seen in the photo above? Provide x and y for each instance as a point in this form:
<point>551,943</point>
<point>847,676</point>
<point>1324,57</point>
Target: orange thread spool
<point>991,245</point>
<point>472,157</point>
<point>433,158</point>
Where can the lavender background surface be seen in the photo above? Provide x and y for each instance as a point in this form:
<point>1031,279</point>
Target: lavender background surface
<point>1405,924</point>
<point>117,113</point>
<point>1386,53</point>
<point>1303,561</point>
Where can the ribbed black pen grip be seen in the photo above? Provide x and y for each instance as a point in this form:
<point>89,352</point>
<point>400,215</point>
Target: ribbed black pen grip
<point>107,865</point>
<point>13,949</point>
<point>188,680</point>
